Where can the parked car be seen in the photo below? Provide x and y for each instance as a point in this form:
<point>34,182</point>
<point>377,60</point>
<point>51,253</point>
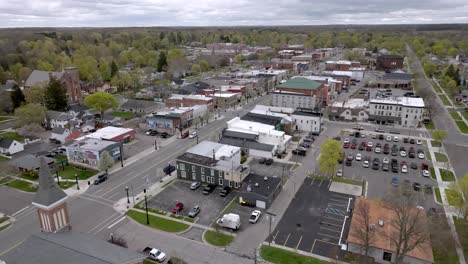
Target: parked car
<point>155,254</point>
<point>425,173</point>
<point>373,135</point>
<point>262,160</point>
<point>417,186</point>
<point>365,164</point>
<point>421,155</point>
<point>339,173</point>
<point>337,138</point>
<point>418,142</point>
<point>403,153</point>
<point>307,139</point>
<point>169,169</point>
<point>375,164</point>
<point>225,191</point>
<point>405,140</point>
<point>404,168</point>
<point>304,145</point>
<point>386,149</point>
<point>394,165</point>
<point>164,134</point>
<point>377,150</point>
<point>414,166</point>
<point>362,146</point>
<point>177,208</point>
<point>269,161</point>
<point>381,137</point>
<point>412,141</point>
<point>193,134</point>
<point>255,216</point>
<point>195,185</point>
<point>194,211</point>
<point>389,138</point>
<point>185,134</point>
<point>349,159</point>
<point>100,179</point>
<point>428,189</point>
<point>424,166</point>
<point>395,181</point>
<point>151,132</point>
<point>379,130</point>
<point>208,189</point>
<point>358,157</point>
<point>300,152</point>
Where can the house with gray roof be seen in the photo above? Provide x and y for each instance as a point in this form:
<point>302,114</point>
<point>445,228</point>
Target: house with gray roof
<point>57,243</point>
<point>38,77</point>
<point>30,162</point>
<point>58,119</point>
<point>60,134</point>
<point>10,146</point>
<point>69,77</point>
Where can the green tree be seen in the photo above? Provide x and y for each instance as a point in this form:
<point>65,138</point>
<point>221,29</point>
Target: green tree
<point>330,152</point>
<point>239,59</point>
<point>105,71</point>
<point>429,68</point>
<point>30,114</point>
<point>452,52</point>
<point>462,186</point>
<point>56,95</point>
<point>44,66</point>
<point>439,135</point>
<point>88,68</point>
<point>452,87</point>
<point>101,101</point>
<point>105,161</point>
<point>114,69</point>
<point>36,94</point>
<point>204,65</point>
<point>196,68</point>
<point>17,97</point>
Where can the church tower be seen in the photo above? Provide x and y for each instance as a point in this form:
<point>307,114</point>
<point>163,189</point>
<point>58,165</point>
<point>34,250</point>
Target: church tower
<point>52,209</point>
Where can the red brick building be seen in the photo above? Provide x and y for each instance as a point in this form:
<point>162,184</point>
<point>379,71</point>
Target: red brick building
<point>337,65</point>
<point>307,87</point>
<point>389,63</point>
<point>177,100</point>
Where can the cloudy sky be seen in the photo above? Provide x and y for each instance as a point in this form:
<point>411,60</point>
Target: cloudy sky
<point>116,13</point>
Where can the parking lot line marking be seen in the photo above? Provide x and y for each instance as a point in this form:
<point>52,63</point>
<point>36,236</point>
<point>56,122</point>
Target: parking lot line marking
<point>321,183</point>
<point>274,237</point>
<point>338,200</point>
<point>327,242</point>
<point>340,205</point>
<point>341,196</point>
<point>286,240</point>
<point>349,203</point>
<point>19,211</point>
<point>330,224</point>
<point>328,236</point>
<point>331,230</point>
<point>335,211</point>
<point>342,230</point>
<point>118,221</point>
<point>312,182</point>
<point>312,249</point>
<point>298,243</point>
<point>335,219</point>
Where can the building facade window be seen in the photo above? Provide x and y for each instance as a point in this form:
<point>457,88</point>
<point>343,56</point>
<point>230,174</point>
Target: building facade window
<point>202,169</point>
<point>203,178</point>
<point>194,176</point>
<point>221,181</point>
<point>183,174</point>
<point>182,166</point>
<point>387,256</point>
<point>212,172</point>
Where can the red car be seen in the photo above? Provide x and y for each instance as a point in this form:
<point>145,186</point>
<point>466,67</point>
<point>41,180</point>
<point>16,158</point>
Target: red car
<point>346,145</point>
<point>185,134</point>
<point>424,166</point>
<point>178,207</point>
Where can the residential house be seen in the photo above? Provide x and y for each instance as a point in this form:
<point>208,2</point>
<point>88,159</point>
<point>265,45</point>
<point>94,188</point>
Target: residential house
<point>404,111</point>
<point>389,62</point>
<point>69,77</point>
<point>139,106</point>
<point>212,163</point>
<point>88,126</point>
<point>56,242</point>
<point>60,134</point>
<point>382,250</point>
<point>10,146</point>
<point>87,151</point>
<point>111,120</point>
<point>58,119</point>
<point>30,162</point>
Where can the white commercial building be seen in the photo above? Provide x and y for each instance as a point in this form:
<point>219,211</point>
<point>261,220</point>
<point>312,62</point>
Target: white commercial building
<point>307,120</point>
<point>353,109</point>
<point>405,111</point>
<point>266,134</point>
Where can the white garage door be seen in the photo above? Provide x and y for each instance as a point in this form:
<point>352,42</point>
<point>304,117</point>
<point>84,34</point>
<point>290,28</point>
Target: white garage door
<point>260,204</point>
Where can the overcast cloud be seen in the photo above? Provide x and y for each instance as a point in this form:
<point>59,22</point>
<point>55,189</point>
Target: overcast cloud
<point>117,13</point>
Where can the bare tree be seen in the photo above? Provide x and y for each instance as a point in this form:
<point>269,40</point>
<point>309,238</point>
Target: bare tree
<point>118,240</point>
<point>433,108</point>
<point>409,224</point>
<point>363,230</point>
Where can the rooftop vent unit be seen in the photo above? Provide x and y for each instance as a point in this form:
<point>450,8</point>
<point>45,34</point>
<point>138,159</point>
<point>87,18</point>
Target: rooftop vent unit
<point>381,222</point>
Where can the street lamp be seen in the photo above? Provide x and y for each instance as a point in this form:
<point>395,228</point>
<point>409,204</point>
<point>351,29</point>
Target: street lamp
<point>197,139</point>
<point>128,197</point>
<point>146,208</point>
<point>77,185</point>
<point>270,216</point>
<point>155,144</point>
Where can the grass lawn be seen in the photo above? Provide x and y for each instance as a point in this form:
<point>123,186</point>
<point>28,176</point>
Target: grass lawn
<point>168,183</point>
<point>69,173</point>
<point>462,229</point>
<point>5,180</point>
<point>430,125</point>
<point>437,195</point>
<point>123,115</point>
<point>444,100</point>
<point>65,185</point>
<point>432,171</point>
<point>465,114</point>
<point>22,185</point>
<point>455,115</point>
<point>4,118</point>
<point>443,245</point>
<point>295,166</point>
<point>3,219</point>
<point>436,144</point>
<point>217,239</point>
<point>427,154</point>
<point>30,176</point>
<point>12,135</point>
<point>454,198</point>
<point>281,256</point>
<point>2,158</point>
<point>440,157</point>
<point>61,157</point>
<point>462,126</point>
<point>347,180</point>
<point>181,217</point>
<point>446,175</point>
<point>158,222</point>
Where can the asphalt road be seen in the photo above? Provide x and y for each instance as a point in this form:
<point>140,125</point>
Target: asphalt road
<point>92,212</point>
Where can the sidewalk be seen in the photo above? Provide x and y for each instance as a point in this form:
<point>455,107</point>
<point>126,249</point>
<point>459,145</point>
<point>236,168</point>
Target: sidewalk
<point>449,210</point>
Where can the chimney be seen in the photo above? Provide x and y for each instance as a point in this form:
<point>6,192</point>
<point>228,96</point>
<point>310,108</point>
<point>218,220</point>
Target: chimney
<point>214,152</point>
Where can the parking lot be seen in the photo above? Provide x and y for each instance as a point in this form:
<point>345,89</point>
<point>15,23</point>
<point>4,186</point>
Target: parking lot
<point>244,212</point>
<point>380,182</point>
<point>316,221</point>
<point>275,169</point>
<point>179,191</point>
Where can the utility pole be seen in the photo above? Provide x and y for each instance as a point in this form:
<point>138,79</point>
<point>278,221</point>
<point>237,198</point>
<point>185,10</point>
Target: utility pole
<point>255,255</point>
<point>121,154</point>
<point>270,216</point>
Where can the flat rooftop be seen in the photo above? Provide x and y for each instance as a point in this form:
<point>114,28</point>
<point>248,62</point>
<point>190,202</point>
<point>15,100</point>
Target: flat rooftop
<point>92,144</point>
<point>403,101</point>
<point>107,133</point>
<point>351,103</point>
<point>257,184</point>
<point>191,96</point>
<point>221,151</point>
<point>246,126</point>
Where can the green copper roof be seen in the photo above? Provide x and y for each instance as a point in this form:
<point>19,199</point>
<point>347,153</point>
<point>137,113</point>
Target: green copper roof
<point>300,83</point>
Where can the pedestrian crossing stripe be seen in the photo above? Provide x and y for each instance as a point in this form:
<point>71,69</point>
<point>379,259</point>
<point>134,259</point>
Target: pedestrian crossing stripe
<point>335,211</point>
